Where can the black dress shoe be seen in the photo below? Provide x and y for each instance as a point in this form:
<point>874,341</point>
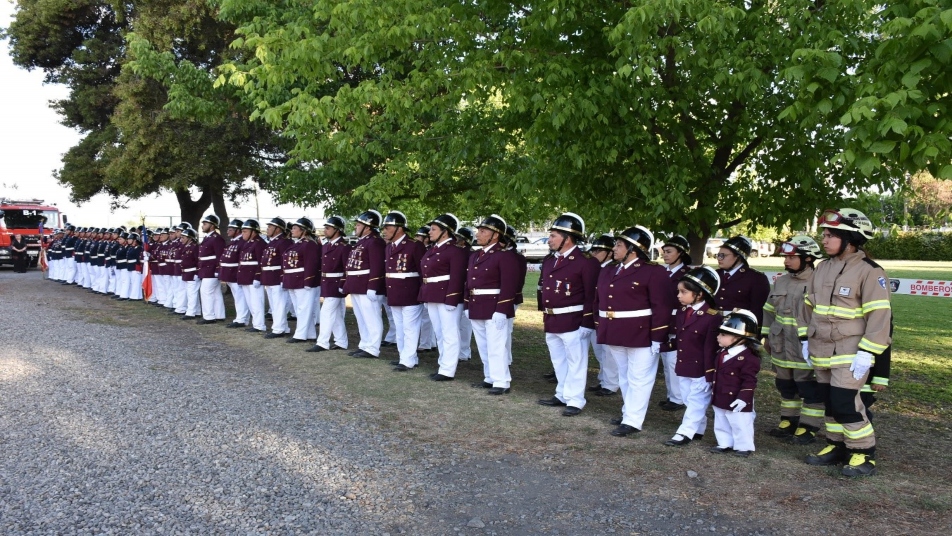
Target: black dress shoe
<point>624,430</point>
<point>720,450</point>
<point>364,355</point>
<point>352,352</point>
<point>549,376</point>
<point>605,392</point>
<point>571,411</point>
<point>551,402</point>
<point>203,321</point>
<point>234,325</point>
<point>680,441</point>
<point>338,348</point>
<point>698,437</point>
<point>292,340</point>
<point>316,348</point>
<point>742,453</point>
<point>497,391</point>
<point>395,362</point>
<point>424,350</point>
<point>482,385</point>
<point>189,317</point>
<point>386,344</point>
<point>615,422</point>
<point>267,316</point>
<point>254,330</point>
<point>402,368</point>
<point>441,378</point>
<point>594,388</point>
<point>273,335</point>
<point>663,402</point>
<point>672,406</point>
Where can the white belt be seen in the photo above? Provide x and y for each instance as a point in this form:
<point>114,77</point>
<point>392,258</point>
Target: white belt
<point>189,269</point>
<point>436,279</point>
<point>358,272</point>
<point>163,264</point>
<point>249,263</point>
<point>70,249</point>
<point>403,275</point>
<point>481,291</point>
<point>625,314</point>
<point>293,270</point>
<point>332,274</point>
<point>563,310</point>
<point>270,268</point>
<point>210,258</point>
<point>176,261</point>
<point>229,264</point>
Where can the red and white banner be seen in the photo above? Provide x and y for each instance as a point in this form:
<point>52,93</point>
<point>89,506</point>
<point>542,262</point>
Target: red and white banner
<point>911,287</point>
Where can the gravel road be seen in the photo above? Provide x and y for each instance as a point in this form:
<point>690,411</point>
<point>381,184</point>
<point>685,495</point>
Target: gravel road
<point>117,428</point>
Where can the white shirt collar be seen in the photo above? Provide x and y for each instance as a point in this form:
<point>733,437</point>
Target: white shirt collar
<point>732,352</point>
<point>629,263</point>
<point>734,271</point>
<point>676,268</point>
<point>398,241</point>
<point>566,254</point>
<point>443,242</point>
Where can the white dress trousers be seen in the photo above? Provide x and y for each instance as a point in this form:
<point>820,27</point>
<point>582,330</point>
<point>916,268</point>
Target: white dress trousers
<point>135,285</point>
<point>280,301</point>
<point>391,335</point>
<point>427,335</point>
<point>193,303</point>
<point>607,368</point>
<point>671,383</point>
<point>303,299</point>
<point>241,307</point>
<point>122,282</point>
<point>491,343</point>
<point>254,299</point>
<point>637,369</point>
<point>406,320</point>
<point>369,322</point>
<point>569,354</point>
<point>465,337</point>
<point>332,323</point>
<point>180,295</point>
<point>213,302</point>
<point>697,398</point>
<point>446,328</point>
<point>735,430</point>
<point>70,275</point>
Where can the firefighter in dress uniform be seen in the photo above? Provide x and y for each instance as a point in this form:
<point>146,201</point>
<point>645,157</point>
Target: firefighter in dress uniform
<point>633,313</point>
<point>785,327</point>
<point>850,324</point>
<point>228,272</point>
<point>509,246</point>
<point>443,270</point>
<point>334,255</point>
<point>271,258</point>
<point>568,279</point>
<point>676,254</point>
<point>491,286</point>
<point>402,267</point>
<point>188,263</point>
<point>249,274</point>
<point>209,251</point>
<point>301,276</point>
<point>742,287</point>
<point>601,251</point>
<point>365,282</point>
<point>465,239</point>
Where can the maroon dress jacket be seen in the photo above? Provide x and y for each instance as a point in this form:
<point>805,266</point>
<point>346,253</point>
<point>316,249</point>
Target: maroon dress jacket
<point>402,265</point>
<point>443,269</point>
<point>492,281</point>
<point>209,251</point>
<point>271,258</point>
<point>746,289</point>
<point>695,342</point>
<point>735,378</point>
<point>249,261</point>
<point>334,257</point>
<point>639,290</point>
<point>174,258</point>
<point>365,266</point>
<point>568,292</point>
<point>301,265</point>
<point>188,260</point>
<point>228,262</point>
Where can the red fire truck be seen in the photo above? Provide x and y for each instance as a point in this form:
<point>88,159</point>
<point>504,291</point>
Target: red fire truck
<point>23,217</point>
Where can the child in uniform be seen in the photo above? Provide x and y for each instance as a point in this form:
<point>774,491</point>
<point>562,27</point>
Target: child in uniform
<point>735,378</point>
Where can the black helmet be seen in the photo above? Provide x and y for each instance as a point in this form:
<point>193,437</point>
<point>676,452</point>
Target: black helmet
<point>124,235</point>
<point>189,233</point>
<point>466,234</point>
<point>395,218</point>
<point>279,223</point>
<point>741,322</point>
<point>304,223</point>
<point>235,224</point>
<point>639,238</point>
<point>252,224</point>
<point>186,225</point>
<point>160,230</point>
<point>370,218</point>
<point>212,219</point>
<point>604,242</point>
<point>121,228</point>
<point>336,222</point>
<point>706,278</point>
<point>135,236</point>
<point>423,231</point>
<point>494,223</point>
<point>740,245</point>
<point>510,235</point>
<point>447,221</point>
<point>679,242</point>
<point>570,223</point>
<point>71,228</point>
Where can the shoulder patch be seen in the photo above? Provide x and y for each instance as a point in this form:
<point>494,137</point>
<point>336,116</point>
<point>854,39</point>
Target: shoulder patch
<point>882,282</point>
<point>712,311</point>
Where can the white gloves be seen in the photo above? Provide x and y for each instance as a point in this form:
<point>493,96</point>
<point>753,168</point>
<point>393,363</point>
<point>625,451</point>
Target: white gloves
<point>449,307</point>
<point>256,284</point>
<point>500,320</point>
<point>861,364</point>
<point>805,352</point>
<point>340,290</point>
<point>655,348</point>
<point>701,387</point>
<point>371,293</point>
<point>738,405</point>
<point>584,332</point>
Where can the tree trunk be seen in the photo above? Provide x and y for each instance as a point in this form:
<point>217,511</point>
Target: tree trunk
<point>218,203</point>
<point>698,242</point>
<point>192,211</point>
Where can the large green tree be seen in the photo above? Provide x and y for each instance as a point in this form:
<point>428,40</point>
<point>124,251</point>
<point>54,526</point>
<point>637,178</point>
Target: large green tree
<point>132,146</point>
<point>686,115</point>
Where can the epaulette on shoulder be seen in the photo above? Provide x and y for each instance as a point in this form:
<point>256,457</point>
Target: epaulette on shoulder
<point>871,262</point>
<point>711,311</point>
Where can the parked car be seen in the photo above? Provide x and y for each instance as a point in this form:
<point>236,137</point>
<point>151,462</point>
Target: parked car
<point>534,251</point>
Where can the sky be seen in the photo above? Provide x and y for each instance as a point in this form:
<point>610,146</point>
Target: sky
<point>32,143</point>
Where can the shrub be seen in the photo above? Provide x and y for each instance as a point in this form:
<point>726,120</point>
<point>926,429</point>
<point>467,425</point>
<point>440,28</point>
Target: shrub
<point>912,246</point>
